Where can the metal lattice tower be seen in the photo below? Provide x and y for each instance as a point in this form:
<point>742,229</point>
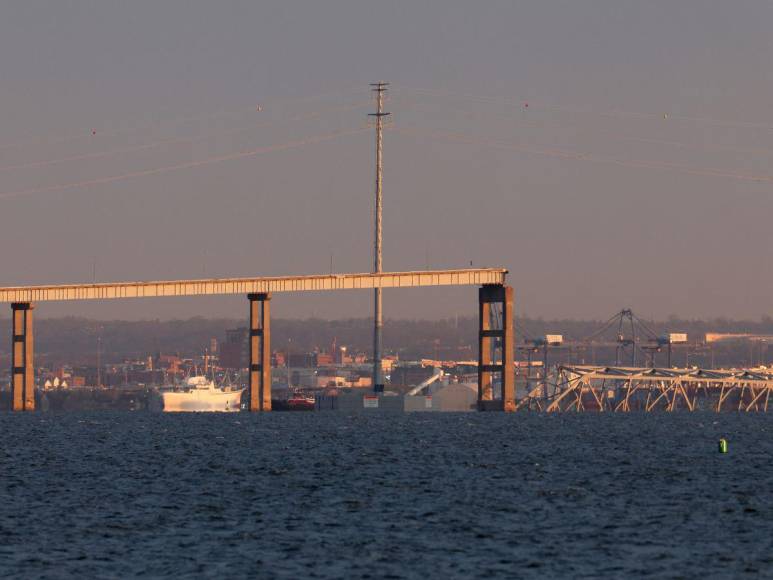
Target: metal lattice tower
<point>378,322</point>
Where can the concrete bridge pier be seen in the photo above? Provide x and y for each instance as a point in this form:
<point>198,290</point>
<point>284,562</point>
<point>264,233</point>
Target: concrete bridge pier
<point>260,352</point>
<point>496,337</point>
<point>22,358</point>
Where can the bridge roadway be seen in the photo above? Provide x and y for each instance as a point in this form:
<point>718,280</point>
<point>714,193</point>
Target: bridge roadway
<point>495,331</point>
<point>322,282</point>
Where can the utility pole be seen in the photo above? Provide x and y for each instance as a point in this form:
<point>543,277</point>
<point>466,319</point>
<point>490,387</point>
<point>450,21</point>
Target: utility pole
<point>378,322</point>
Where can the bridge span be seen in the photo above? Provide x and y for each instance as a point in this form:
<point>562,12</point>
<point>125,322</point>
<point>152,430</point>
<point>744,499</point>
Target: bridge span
<point>323,282</point>
<point>495,335</point>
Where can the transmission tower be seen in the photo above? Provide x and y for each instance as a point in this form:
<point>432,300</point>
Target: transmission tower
<point>378,322</point>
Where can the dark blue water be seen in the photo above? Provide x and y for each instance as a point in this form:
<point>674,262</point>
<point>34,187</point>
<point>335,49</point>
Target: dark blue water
<point>324,495</point>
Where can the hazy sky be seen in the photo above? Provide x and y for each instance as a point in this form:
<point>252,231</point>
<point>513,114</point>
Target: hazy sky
<point>638,176</point>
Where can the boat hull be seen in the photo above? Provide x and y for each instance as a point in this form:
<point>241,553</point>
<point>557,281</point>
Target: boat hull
<point>202,401</point>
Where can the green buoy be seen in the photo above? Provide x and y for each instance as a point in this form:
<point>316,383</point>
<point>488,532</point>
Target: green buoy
<point>723,445</point>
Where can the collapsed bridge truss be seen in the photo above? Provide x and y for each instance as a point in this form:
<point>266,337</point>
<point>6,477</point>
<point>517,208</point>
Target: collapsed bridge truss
<point>625,389</point>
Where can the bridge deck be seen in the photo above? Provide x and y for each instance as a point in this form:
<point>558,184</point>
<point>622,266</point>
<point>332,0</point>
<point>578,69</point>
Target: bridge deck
<point>107,291</point>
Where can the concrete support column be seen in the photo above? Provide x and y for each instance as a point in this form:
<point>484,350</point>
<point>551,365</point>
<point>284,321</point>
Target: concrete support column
<point>260,352</point>
<point>485,386</point>
<point>508,351</point>
<point>22,358</point>
<point>487,337</point>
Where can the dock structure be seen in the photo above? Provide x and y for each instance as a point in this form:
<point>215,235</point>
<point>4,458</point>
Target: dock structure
<point>580,388</point>
<point>259,291</point>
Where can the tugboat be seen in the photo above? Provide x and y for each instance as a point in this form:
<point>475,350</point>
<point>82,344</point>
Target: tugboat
<point>300,402</point>
<point>296,402</point>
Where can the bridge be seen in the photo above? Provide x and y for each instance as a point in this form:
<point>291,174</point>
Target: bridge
<point>495,312</point>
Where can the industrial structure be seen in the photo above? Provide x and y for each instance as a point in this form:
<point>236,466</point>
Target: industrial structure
<point>624,334</point>
<point>379,89</point>
<point>624,389</point>
<point>494,297</point>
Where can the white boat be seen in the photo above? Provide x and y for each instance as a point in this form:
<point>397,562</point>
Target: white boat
<point>201,394</point>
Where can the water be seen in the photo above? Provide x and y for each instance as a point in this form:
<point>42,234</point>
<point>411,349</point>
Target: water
<point>296,495</point>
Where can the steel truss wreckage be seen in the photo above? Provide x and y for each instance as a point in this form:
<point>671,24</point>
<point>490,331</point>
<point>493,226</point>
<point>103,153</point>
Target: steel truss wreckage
<point>626,389</point>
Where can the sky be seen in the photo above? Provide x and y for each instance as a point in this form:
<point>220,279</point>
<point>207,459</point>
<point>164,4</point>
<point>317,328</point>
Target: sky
<point>608,153</point>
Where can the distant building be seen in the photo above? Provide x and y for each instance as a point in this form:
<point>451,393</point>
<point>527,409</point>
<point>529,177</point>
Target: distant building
<point>278,359</point>
<point>331,380</point>
<point>302,360</point>
<point>168,362</point>
<point>234,352</point>
<point>410,374</point>
<point>361,381</point>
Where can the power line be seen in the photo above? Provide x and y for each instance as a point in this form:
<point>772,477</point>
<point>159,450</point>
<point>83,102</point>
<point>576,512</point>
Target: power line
<point>613,113</point>
<point>568,154</point>
<point>179,140</point>
<point>595,130</point>
<point>49,140</point>
<point>180,166</point>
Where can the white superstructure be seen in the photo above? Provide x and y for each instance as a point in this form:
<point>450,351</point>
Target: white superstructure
<point>201,394</point>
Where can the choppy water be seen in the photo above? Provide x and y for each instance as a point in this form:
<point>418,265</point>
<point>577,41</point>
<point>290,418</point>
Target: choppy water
<point>117,495</point>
